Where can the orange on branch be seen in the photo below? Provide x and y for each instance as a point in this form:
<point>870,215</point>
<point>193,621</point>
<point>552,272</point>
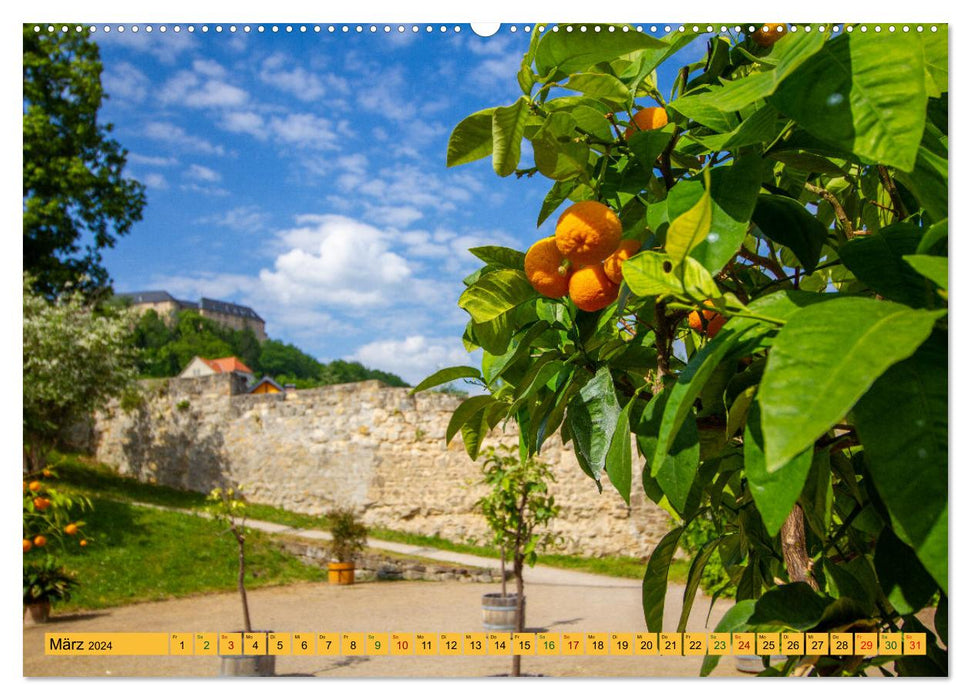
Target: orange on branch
<point>546,269</point>
<point>710,324</point>
<point>768,34</point>
<point>83,543</point>
<point>71,529</point>
<point>614,261</point>
<point>587,232</point>
<point>40,541</point>
<point>35,486</point>
<point>41,503</point>
<point>647,119</point>
<point>27,546</point>
<point>591,289</point>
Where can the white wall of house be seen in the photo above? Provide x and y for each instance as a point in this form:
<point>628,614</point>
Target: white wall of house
<point>197,368</point>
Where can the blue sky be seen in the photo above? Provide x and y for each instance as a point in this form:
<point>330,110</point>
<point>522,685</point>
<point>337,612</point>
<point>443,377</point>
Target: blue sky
<point>303,174</point>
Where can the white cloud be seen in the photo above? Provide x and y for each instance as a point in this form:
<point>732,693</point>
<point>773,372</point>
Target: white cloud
<point>156,161</point>
<point>177,136</point>
<point>306,130</point>
<point>244,123</point>
<point>336,260</point>
<point>245,218</point>
<point>202,87</point>
<point>155,181</point>
<point>164,47</point>
<point>298,81</point>
<point>205,190</point>
<point>396,217</point>
<point>125,83</point>
<point>413,358</point>
<point>202,173</point>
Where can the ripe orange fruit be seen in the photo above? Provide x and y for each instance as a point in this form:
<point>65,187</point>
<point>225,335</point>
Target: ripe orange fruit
<point>546,268</point>
<point>591,289</point>
<point>46,472</point>
<point>71,529</point>
<point>83,543</point>
<point>587,232</point>
<point>27,546</point>
<point>41,503</point>
<point>712,323</point>
<point>612,265</point>
<point>25,486</point>
<point>40,541</point>
<point>768,34</point>
<point>35,486</point>
<point>647,119</point>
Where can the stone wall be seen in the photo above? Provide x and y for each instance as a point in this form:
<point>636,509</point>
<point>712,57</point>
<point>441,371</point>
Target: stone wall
<point>365,445</point>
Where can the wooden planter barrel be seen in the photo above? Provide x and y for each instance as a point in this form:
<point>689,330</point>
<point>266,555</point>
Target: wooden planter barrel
<point>340,573</point>
<point>244,665</point>
<point>499,612</point>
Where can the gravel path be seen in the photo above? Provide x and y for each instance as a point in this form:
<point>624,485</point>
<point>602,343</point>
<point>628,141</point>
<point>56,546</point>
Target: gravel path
<point>558,600</point>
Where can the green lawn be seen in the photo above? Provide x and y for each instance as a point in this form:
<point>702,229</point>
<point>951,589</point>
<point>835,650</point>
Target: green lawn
<point>80,475</point>
<point>138,554</point>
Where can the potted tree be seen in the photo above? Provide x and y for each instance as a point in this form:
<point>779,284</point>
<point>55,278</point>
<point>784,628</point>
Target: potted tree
<point>228,506</point>
<point>517,506</point>
<point>45,581</point>
<point>348,539</point>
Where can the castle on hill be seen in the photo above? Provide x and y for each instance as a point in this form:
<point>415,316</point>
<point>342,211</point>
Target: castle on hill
<point>224,313</point>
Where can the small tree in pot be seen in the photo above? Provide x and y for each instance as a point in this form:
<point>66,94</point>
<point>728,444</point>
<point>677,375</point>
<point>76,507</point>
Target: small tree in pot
<point>517,507</point>
<point>228,506</point>
<point>348,540</point>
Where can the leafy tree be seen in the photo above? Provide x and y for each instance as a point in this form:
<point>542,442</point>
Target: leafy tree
<point>76,358</point>
<point>76,200</point>
<point>778,347</point>
<point>517,507</point>
<point>278,359</point>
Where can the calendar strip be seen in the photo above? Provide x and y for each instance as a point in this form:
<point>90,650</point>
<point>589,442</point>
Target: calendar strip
<point>486,644</point>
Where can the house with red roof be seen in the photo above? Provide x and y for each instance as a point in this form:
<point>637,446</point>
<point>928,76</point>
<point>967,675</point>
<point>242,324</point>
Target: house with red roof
<point>203,367</point>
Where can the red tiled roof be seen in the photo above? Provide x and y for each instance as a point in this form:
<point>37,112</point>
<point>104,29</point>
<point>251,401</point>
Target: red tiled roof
<point>227,364</point>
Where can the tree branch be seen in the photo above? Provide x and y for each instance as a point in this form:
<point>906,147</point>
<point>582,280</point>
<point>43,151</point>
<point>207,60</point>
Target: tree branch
<point>767,263</point>
<point>837,207</point>
<point>900,211</point>
<point>793,534</point>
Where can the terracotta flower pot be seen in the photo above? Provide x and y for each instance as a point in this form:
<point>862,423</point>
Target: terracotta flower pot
<point>340,573</point>
<point>37,613</point>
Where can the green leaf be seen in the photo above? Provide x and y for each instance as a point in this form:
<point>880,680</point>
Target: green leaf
<point>593,415</point>
<point>522,345</point>
<point>500,255</point>
<point>933,267</point>
<point>444,376</point>
<point>508,124</point>
<point>651,273</point>
<point>864,93</point>
<point>465,411</point>
<point>475,430</point>
<point>735,337</point>
<point>655,585</point>
<point>557,154</point>
<point>934,45</point>
<point>791,51</point>
<point>735,620</point>
<point>575,51</point>
<point>934,241</point>
<point>902,577</point>
<point>691,227</point>
<point>928,181</point>
<point>902,423</point>
<point>554,198</point>
<point>601,86</point>
<point>676,473</point>
<point>774,492</point>
<point>786,221</point>
<point>823,360</point>
<point>794,606</point>
<point>495,293</point>
<point>648,145</point>
<point>877,261</point>
<point>697,568</point>
<point>471,139</point>
<point>756,129</point>
<point>619,454</point>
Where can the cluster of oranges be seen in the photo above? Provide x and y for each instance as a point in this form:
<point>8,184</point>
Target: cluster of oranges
<point>42,503</point>
<point>583,258</point>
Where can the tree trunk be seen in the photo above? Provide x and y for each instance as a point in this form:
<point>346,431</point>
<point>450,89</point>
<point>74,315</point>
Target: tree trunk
<point>241,583</point>
<point>502,569</point>
<point>793,535</point>
<point>520,612</point>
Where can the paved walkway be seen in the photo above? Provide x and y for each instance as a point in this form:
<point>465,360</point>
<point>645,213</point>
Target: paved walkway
<point>557,600</point>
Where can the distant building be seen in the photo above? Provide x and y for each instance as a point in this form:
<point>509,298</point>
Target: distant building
<point>267,386</point>
<point>202,367</point>
<point>224,313</point>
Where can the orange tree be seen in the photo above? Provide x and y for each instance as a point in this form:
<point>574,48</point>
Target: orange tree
<point>794,191</point>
